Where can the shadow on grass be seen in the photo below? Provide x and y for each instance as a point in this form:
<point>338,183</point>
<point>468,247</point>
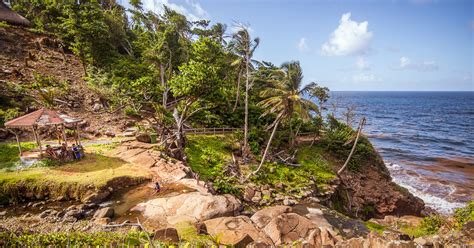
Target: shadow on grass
<point>91,162</point>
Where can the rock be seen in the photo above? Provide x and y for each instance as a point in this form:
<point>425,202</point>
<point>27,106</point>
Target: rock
<point>468,229</point>
<point>48,212</point>
<point>96,197</point>
<point>316,215</point>
<point>97,107</point>
<point>257,197</point>
<point>235,231</point>
<point>167,235</point>
<point>102,221</point>
<point>422,241</point>
<point>192,207</point>
<point>76,213</point>
<point>109,133</point>
<point>3,213</point>
<point>143,137</point>
<point>289,202</point>
<point>104,212</point>
<point>263,217</point>
<point>249,193</point>
<point>290,227</point>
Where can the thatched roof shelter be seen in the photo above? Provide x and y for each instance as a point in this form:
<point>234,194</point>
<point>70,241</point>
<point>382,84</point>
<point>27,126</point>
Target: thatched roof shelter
<point>11,17</point>
<point>44,117</point>
<point>41,117</point>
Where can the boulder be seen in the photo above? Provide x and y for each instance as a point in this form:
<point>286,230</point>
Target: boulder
<point>289,227</point>
<point>264,216</point>
<point>106,212</point>
<point>235,231</point>
<point>167,235</point>
<point>192,207</point>
<point>249,193</point>
<point>95,197</point>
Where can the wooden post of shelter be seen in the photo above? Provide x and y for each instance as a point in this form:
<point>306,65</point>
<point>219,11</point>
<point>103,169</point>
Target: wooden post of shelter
<point>78,135</point>
<point>37,139</point>
<point>63,128</point>
<point>18,143</point>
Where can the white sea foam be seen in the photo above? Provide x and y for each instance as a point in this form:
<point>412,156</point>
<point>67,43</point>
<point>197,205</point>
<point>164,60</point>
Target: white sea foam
<point>419,188</point>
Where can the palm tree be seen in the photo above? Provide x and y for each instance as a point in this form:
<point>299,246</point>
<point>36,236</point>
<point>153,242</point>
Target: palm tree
<point>244,47</point>
<point>285,99</point>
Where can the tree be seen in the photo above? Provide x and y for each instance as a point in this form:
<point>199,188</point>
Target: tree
<point>197,81</point>
<point>242,45</point>
<point>285,99</point>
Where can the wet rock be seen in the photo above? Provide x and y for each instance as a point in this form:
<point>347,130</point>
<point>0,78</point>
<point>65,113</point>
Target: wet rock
<point>192,207</point>
<point>235,231</point>
<point>104,213</point>
<point>167,235</point>
<point>263,217</point>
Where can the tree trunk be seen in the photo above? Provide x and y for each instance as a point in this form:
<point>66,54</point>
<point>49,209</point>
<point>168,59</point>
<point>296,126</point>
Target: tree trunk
<point>163,84</point>
<point>361,124</point>
<point>246,118</point>
<point>237,97</point>
<point>266,149</point>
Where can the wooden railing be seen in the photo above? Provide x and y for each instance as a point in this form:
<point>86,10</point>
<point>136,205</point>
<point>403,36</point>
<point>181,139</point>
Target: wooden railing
<point>211,130</point>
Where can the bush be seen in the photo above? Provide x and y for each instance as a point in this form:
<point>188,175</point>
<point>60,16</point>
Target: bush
<point>8,114</point>
<point>428,226</point>
<point>464,215</point>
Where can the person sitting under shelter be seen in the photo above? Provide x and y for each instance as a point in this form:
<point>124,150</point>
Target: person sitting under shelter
<point>50,153</point>
<point>64,153</point>
<point>76,152</point>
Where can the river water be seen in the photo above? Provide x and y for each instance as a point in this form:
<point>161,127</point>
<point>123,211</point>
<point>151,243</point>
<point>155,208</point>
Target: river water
<point>425,138</point>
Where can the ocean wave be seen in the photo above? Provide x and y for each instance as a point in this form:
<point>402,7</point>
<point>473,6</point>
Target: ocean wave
<point>418,188</point>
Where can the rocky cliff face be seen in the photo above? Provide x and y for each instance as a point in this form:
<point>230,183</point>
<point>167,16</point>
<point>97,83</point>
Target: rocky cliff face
<point>370,193</point>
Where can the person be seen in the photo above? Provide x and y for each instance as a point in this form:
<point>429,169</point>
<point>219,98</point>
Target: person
<point>75,150</point>
<point>50,153</point>
<point>63,152</point>
<point>157,187</point>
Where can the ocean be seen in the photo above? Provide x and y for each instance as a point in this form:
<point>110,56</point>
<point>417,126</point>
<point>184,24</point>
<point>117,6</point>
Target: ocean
<point>425,138</point>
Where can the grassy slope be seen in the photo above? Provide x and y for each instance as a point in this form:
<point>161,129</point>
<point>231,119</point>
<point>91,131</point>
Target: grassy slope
<point>208,155</point>
<point>94,170</point>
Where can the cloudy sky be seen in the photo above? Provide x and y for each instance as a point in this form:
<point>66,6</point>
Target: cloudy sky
<point>355,45</point>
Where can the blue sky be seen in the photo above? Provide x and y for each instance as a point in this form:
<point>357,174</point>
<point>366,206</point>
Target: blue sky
<point>355,45</point>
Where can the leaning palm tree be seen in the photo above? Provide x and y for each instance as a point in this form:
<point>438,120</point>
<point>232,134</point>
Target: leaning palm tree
<point>243,46</point>
<point>285,99</point>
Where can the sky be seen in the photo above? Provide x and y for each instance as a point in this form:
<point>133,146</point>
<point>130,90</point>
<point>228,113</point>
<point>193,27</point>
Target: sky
<point>365,45</point>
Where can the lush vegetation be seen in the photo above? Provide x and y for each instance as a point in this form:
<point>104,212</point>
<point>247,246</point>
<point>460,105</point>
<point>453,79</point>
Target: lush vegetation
<point>464,215</point>
<point>99,239</point>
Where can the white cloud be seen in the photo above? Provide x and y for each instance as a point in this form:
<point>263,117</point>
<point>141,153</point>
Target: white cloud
<point>192,9</point>
<point>349,38</point>
<point>406,64</point>
<point>303,45</point>
<point>362,64</point>
<point>365,78</point>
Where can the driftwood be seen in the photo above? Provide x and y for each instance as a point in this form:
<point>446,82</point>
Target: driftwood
<point>361,125</point>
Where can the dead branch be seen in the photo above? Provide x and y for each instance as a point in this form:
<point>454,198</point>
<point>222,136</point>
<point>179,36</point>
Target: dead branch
<point>361,125</point>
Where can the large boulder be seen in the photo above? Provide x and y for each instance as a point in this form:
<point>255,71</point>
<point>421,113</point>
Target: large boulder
<point>191,207</point>
<point>235,231</point>
<point>106,212</point>
<point>167,235</point>
<point>289,227</point>
<point>264,216</point>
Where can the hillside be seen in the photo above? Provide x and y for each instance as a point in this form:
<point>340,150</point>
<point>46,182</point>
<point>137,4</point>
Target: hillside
<point>33,62</point>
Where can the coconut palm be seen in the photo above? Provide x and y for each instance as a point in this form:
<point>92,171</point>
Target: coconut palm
<point>243,46</point>
<point>285,100</point>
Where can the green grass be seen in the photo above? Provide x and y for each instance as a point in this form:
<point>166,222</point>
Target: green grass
<point>93,171</point>
<point>208,154</point>
<point>464,214</point>
<point>375,227</point>
<point>428,226</point>
<point>9,154</point>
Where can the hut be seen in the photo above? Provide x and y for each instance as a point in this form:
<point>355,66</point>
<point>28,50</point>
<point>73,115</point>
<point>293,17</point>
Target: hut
<point>41,118</point>
<point>11,17</point>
